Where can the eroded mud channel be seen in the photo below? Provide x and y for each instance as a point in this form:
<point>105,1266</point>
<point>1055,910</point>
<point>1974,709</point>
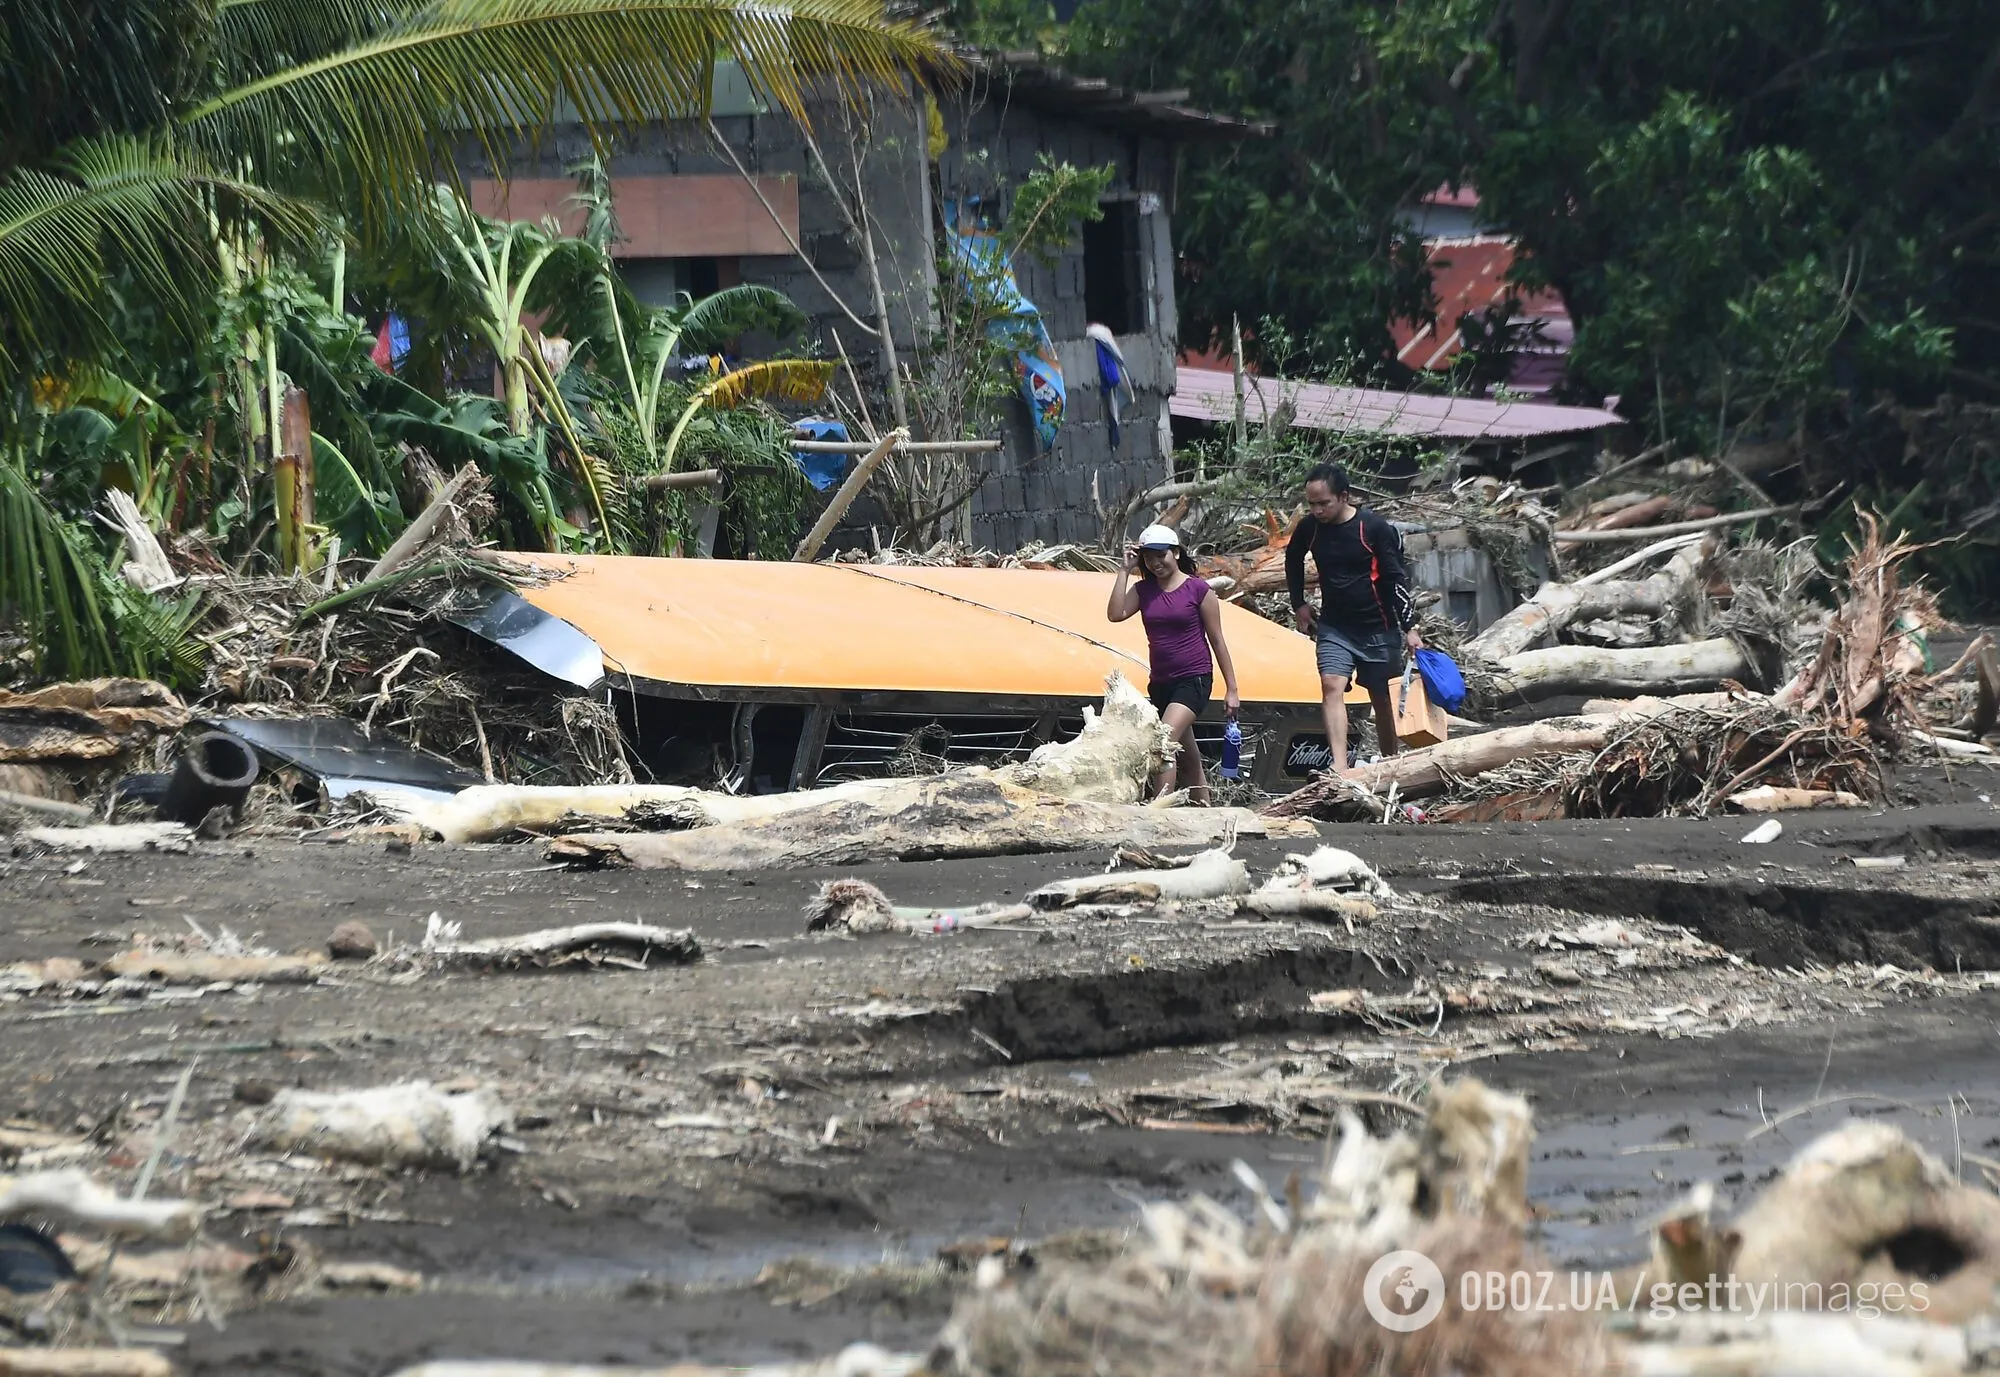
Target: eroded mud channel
<point>767,1153</point>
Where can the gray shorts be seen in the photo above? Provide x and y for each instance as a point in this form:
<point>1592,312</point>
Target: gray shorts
<point>1369,658</point>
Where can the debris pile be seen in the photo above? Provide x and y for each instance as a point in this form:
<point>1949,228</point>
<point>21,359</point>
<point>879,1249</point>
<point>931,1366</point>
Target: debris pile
<point>1671,728</point>
<point>1317,1283</point>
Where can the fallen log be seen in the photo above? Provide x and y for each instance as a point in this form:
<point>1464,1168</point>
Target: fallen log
<point>1556,605</point>
<point>207,968</point>
<point>628,942</point>
<point>1645,512</point>
<point>1109,761</point>
<point>1573,669</point>
<point>1426,772</point>
<point>912,820</point>
<point>409,1124</point>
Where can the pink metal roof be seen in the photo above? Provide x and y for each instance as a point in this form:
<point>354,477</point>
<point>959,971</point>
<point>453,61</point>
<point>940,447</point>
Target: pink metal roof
<point>1206,395</point>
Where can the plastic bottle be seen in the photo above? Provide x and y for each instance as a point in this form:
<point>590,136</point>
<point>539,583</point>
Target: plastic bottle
<point>1232,751</point>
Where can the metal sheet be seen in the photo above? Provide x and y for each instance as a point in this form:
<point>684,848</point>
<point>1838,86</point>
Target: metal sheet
<point>336,750</point>
<point>991,634</point>
<point>1202,394</point>
<point>548,643</point>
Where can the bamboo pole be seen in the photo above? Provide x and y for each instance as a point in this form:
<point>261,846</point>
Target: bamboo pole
<point>809,547</point>
<point>910,447</point>
<point>418,531</point>
<point>697,478</point>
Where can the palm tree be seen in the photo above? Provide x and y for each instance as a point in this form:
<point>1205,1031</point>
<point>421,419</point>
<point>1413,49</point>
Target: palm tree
<point>131,134</point>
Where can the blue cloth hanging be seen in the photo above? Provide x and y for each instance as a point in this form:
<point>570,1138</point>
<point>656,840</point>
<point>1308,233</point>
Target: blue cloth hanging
<point>1111,378</point>
<point>1035,361</point>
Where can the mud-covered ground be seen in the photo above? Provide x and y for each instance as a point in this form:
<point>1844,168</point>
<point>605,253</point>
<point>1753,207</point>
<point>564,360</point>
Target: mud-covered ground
<point>763,1155</point>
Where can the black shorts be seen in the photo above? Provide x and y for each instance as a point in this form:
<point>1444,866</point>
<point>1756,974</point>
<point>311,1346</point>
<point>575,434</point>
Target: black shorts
<point>1195,691</point>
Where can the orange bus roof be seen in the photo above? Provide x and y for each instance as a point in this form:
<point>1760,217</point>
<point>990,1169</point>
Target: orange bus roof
<point>996,633</point>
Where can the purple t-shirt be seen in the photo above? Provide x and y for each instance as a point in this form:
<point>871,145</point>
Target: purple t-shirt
<point>1173,629</point>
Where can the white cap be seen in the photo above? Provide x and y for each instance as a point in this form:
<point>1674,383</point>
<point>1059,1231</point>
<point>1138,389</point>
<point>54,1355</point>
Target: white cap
<point>1159,538</point>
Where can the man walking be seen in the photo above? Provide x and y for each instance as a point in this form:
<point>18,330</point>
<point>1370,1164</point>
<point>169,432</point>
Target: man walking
<point>1367,615</point>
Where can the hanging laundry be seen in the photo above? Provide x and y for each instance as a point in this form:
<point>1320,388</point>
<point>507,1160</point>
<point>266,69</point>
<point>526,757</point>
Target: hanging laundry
<point>988,273</point>
<point>392,344</point>
<point>1112,378</point>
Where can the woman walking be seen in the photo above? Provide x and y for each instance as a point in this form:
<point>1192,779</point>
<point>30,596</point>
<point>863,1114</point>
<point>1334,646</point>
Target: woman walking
<point>1183,620</point>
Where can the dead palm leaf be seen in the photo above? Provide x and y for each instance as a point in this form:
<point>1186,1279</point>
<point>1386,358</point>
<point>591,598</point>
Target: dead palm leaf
<point>795,380</point>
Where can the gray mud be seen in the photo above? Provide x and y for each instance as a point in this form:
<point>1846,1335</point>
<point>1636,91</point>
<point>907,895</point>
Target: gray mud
<point>1013,1085</point>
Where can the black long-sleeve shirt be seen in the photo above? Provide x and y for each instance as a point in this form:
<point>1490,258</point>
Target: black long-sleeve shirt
<point>1364,583</point>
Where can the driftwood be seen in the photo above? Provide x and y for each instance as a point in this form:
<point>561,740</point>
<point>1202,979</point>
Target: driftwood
<point>1556,605</point>
<point>1211,875</point>
<point>71,1195</point>
<point>922,819</point>
<point>206,968</point>
<point>629,943</point>
<point>1427,772</point>
<point>411,1124</point>
<point>1109,761</point>
<point>1321,905</point>
<point>83,1362</point>
<point>851,905</point>
<point>113,837</point>
<point>1774,798</point>
<point>1573,669</point>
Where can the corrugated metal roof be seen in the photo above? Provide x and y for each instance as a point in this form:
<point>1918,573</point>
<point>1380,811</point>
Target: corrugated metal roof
<point>1205,395</point>
<point>1033,80</point>
<point>718,625</point>
<point>1467,276</point>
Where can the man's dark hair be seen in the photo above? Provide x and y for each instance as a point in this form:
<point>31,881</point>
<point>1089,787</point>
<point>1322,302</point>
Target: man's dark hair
<point>1333,475</point>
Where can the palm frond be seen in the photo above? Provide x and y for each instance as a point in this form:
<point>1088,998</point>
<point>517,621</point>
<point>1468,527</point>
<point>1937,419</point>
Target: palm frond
<point>49,579</point>
<point>791,380</point>
<point>376,113</point>
<point>254,38</point>
<point>707,323</point>
<point>143,203</point>
<point>798,380</point>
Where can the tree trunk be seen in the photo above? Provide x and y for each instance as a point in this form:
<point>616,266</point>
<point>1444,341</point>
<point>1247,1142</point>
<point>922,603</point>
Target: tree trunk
<point>1420,774</point>
<point>1556,605</point>
<point>1656,670</point>
<point>928,819</point>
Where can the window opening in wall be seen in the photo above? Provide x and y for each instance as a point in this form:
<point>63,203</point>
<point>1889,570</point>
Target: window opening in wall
<point>1113,295</point>
<point>660,281</point>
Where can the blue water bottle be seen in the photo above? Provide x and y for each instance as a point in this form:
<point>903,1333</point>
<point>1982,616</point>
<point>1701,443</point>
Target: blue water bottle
<point>1232,751</point>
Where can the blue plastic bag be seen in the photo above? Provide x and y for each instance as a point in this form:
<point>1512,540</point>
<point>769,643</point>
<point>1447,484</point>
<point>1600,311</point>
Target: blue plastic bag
<point>1444,685</point>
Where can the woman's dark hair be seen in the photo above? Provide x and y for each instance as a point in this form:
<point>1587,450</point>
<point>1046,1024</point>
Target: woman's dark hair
<point>1333,475</point>
<point>1181,557</point>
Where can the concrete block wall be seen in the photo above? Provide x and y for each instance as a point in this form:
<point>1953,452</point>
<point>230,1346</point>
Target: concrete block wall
<point>994,144</point>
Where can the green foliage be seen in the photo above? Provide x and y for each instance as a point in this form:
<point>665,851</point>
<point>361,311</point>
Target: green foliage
<point>1049,205</point>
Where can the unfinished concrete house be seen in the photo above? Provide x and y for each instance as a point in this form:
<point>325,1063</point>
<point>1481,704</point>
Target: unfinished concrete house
<point>852,218</point>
